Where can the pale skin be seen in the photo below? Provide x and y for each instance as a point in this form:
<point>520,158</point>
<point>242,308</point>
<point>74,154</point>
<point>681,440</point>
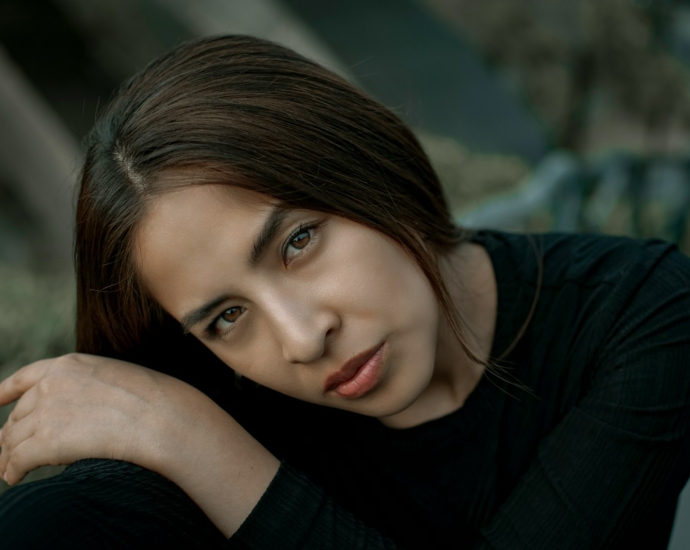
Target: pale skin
<point>313,300</point>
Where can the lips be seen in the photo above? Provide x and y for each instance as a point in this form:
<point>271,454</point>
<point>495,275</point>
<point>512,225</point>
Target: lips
<point>349,369</point>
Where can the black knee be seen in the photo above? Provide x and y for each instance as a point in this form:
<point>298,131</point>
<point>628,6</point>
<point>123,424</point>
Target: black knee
<point>104,504</point>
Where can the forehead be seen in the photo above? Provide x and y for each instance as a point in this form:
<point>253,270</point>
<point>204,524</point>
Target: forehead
<point>190,234</point>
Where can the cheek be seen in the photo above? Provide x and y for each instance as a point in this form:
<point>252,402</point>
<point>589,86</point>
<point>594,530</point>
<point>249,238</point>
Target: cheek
<point>383,280</point>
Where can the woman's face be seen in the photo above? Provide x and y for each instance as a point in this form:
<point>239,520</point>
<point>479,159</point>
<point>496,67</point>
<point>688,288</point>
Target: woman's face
<point>286,298</point>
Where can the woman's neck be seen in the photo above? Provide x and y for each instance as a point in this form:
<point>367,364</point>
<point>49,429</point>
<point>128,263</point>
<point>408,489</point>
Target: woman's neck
<point>471,282</point>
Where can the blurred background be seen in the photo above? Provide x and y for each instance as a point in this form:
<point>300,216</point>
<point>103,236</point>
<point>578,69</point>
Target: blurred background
<point>538,116</point>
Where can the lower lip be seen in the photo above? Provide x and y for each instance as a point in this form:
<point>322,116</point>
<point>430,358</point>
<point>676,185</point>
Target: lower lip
<point>365,379</point>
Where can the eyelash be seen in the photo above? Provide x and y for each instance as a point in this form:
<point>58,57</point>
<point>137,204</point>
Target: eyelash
<point>211,331</point>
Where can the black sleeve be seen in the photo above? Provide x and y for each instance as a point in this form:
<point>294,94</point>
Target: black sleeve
<point>610,473</point>
<point>294,513</point>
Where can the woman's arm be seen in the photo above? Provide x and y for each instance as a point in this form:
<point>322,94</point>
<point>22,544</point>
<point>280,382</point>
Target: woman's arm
<point>82,406</point>
<point>223,469</point>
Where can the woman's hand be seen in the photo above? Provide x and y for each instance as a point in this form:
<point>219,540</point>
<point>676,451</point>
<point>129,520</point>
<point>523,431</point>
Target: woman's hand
<point>85,406</point>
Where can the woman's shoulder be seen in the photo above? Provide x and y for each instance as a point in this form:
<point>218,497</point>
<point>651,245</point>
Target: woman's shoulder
<point>597,297</point>
<point>586,258</point>
<point>611,324</point>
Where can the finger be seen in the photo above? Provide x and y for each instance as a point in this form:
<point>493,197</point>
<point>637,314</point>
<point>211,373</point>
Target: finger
<point>25,406</point>
<point>13,387</point>
<point>15,435</point>
<point>25,457</point>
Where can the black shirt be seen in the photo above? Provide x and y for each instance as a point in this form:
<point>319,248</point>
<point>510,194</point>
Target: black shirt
<point>593,455</point>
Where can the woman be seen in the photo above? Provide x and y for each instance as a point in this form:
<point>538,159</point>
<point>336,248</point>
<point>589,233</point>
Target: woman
<point>284,342</point>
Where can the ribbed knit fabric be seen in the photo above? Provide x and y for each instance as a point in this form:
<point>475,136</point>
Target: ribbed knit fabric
<point>103,504</point>
<point>593,456</point>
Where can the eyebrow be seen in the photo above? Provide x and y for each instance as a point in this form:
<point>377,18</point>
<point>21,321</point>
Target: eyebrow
<point>270,229</point>
<point>268,232</point>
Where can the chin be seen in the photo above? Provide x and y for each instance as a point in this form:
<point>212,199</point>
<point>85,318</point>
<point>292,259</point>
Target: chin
<point>399,397</point>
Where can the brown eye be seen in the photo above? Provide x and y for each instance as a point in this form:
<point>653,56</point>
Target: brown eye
<point>301,240</point>
<point>226,319</point>
<point>230,315</point>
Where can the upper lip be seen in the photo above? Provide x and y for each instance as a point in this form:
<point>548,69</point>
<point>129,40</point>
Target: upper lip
<point>349,369</point>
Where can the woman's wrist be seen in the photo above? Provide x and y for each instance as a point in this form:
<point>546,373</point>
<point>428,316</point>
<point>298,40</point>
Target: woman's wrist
<point>222,467</point>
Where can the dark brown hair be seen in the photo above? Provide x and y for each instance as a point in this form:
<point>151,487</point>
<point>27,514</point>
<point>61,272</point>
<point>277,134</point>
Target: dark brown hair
<point>240,111</point>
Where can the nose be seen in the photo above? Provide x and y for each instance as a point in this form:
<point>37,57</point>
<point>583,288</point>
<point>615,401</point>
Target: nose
<point>303,325</point>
